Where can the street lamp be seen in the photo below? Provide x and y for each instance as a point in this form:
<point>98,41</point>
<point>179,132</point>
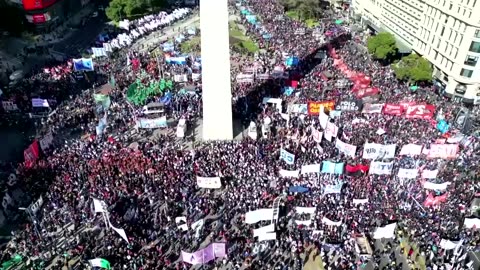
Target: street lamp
<point>32,218</point>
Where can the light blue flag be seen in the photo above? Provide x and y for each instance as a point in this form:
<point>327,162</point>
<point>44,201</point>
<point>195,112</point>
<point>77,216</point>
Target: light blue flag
<point>443,126</point>
<point>83,64</point>
<point>288,90</point>
<point>288,157</point>
<point>333,168</point>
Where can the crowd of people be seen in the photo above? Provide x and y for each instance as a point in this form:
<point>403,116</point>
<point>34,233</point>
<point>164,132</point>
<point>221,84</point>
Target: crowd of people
<point>307,156</point>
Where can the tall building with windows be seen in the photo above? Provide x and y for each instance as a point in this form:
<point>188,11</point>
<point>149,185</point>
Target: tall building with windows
<point>446,32</point>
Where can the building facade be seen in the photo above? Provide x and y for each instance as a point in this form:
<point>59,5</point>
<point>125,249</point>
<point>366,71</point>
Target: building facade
<point>446,32</point>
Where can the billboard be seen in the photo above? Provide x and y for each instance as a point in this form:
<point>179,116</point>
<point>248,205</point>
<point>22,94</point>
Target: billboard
<point>37,4</point>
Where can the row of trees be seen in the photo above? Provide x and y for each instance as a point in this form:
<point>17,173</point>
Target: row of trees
<point>127,9</point>
<point>412,68</point>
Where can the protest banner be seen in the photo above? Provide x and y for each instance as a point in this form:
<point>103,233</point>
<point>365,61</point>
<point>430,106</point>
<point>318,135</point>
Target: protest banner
<point>287,174</point>
<point>433,186</point>
<point>356,170</point>
<point>372,108</point>
<point>381,168</point>
<point>209,182</point>
<point>205,255</point>
<point>331,131</point>
<point>152,123</point>
<point>288,157</point>
<point>317,135</point>
<point>349,105</point>
<point>314,106</point>
<point>407,173</point>
<point>333,189</point>
<point>429,174</point>
<point>258,215</point>
<point>393,109</point>
<point>346,148</point>
<point>445,151</point>
<point>386,232</point>
<point>31,154</point>
<point>245,78</point>
<point>375,150</point>
<point>420,111</point>
<point>411,150</point>
<point>312,168</point>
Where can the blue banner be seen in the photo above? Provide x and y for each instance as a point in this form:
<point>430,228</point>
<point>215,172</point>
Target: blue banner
<point>288,157</point>
<point>331,167</point>
<point>176,60</point>
<point>168,47</point>
<point>83,64</point>
<point>298,189</point>
<point>152,123</point>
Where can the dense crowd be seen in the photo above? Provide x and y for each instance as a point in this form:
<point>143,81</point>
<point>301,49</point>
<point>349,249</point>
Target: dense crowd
<point>146,186</point>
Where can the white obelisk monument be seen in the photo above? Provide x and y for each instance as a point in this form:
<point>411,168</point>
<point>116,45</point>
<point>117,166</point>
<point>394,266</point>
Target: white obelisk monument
<point>216,85</point>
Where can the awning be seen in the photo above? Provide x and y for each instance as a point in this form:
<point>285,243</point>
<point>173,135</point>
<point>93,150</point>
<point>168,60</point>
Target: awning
<point>371,24</point>
<point>402,47</point>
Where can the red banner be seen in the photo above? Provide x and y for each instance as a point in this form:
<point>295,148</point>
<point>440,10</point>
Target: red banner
<point>365,92</point>
<point>356,169</point>
<point>313,107</point>
<point>420,111</point>
<point>435,200</point>
<point>393,109</point>
<point>31,154</point>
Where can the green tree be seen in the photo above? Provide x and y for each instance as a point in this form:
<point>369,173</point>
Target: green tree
<point>413,68</point>
<point>382,45</point>
<point>304,9</point>
<point>116,10</point>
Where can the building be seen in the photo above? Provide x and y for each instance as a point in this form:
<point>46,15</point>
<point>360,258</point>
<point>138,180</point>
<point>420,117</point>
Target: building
<point>43,15</point>
<point>446,32</point>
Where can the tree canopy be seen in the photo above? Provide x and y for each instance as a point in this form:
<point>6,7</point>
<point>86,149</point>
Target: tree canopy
<point>304,9</point>
<point>125,9</point>
<point>382,45</point>
<point>413,68</point>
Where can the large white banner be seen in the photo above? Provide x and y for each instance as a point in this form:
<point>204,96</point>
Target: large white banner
<point>472,222</point>
<point>429,174</point>
<point>312,168</point>
<point>305,210</point>
<point>430,185</point>
<point>258,215</point>
<point>407,173</point>
<point>267,236</point>
<point>381,168</point>
<point>180,78</point>
<point>346,148</point>
<point>46,141</point>
<point>411,150</point>
<point>209,182</point>
<point>285,173</point>
<point>386,232</point>
<point>359,201</point>
<point>263,230</point>
<point>375,150</point>
<point>447,244</point>
<point>330,222</point>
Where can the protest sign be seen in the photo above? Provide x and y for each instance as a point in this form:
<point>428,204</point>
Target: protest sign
<point>209,182</point>
<point>381,168</point>
<point>314,106</point>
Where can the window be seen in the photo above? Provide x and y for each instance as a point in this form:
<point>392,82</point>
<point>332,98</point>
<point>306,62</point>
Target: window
<point>477,33</point>
<point>451,6</point>
<point>443,31</point>
<point>471,60</point>
<point>475,47</point>
<point>466,73</point>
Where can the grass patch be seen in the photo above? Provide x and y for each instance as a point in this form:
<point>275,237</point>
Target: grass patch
<point>295,15</point>
<point>190,45</point>
<point>239,40</point>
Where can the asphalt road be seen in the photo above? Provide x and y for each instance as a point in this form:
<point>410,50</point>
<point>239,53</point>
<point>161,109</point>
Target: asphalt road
<point>83,37</point>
